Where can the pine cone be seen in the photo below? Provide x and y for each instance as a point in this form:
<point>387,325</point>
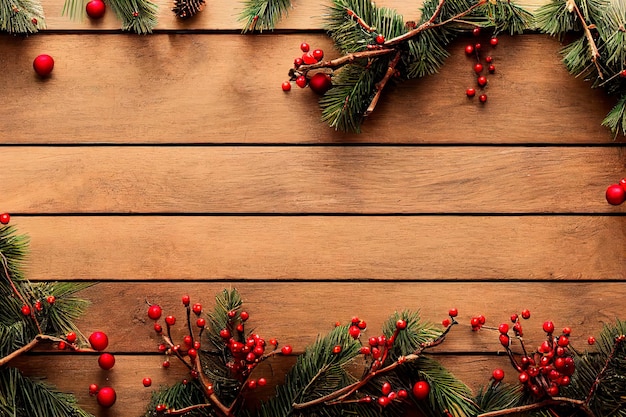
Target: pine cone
<point>185,9</point>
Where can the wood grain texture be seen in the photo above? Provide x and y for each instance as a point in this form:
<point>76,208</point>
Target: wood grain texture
<point>224,14</point>
<point>309,179</point>
<point>326,247</point>
<point>317,306</point>
<point>177,88</point>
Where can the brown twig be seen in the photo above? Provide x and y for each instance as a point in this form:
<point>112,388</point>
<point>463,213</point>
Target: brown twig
<point>596,382</point>
<point>346,59</point>
<point>593,48</point>
<point>30,345</point>
<point>391,69</point>
<point>360,21</point>
<point>183,411</point>
<point>580,404</point>
<point>210,394</point>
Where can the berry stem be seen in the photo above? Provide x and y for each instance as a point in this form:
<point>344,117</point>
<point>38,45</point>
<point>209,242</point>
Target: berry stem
<point>30,345</point>
<point>188,310</point>
<point>360,21</point>
<point>593,48</point>
<point>580,404</point>
<point>210,394</point>
<point>391,69</point>
<point>596,382</point>
<point>183,411</point>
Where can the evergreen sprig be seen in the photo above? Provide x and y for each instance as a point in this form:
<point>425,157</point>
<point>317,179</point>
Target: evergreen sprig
<point>139,16</point>
<point>597,52</point>
<point>409,50</point>
<point>21,16</point>
<point>260,15</point>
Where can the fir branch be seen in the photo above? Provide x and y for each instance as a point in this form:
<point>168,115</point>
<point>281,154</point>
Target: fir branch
<point>139,16</point>
<point>21,16</point>
<point>260,15</point>
<point>553,401</point>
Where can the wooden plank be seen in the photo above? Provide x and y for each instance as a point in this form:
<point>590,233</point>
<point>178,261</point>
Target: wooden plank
<point>318,305</point>
<point>308,180</point>
<point>74,373</point>
<point>326,247</point>
<point>177,88</point>
<point>223,15</point>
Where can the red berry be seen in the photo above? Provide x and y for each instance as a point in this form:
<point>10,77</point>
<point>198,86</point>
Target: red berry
<point>402,394</point>
<point>504,340</point>
<point>492,69</point>
<point>478,68</point>
<point>354,331</point>
<point>476,31</point>
<point>147,382</point>
<point>498,375</point>
<point>503,328</point>
<point>95,9</point>
<point>469,49</point>
<point>304,47</point>
<point>51,299</point>
<point>421,389</point>
<point>43,65</point>
<point>308,58</point>
<point>615,194</point>
<point>493,41</point>
<point>320,83</point>
<point>170,320</point>
<point>106,396</point>
<point>273,342</point>
<point>523,377</point>
<point>99,341</point>
<point>158,328</point>
<point>186,300</point>
<point>192,353</point>
<point>160,408</point>
<point>525,314</point>
<point>93,389</point>
<point>474,322</point>
<point>261,382</point>
<point>567,331</point>
<point>470,92</point>
<point>355,320</point>
<point>201,322</point>
<point>482,81</point>
<point>481,319</point>
<point>197,308</point>
<point>154,312</point>
<point>62,345</point>
<point>514,318</point>
<point>622,183</point>
<point>548,327</point>
<point>553,390</point>
<point>239,327</point>
<point>380,39</point>
<point>5,218</point>
<point>362,325</point>
<point>225,334</point>
<point>453,311</point>
<point>71,337</point>
<point>365,350</point>
<point>336,349</point>
<point>477,47</point>
<point>386,388</point>
<point>244,315</point>
<point>166,364</point>
<point>591,340</point>
<point>106,361</point>
<point>318,54</point>
<point>401,324</point>
<point>297,62</point>
<point>563,341</point>
<point>301,81</point>
<point>373,341</point>
<point>286,350</point>
<point>162,347</point>
<point>187,340</point>
<point>489,59</point>
<point>383,401</point>
<point>38,305</point>
<point>622,73</point>
<point>26,310</point>
<point>445,322</point>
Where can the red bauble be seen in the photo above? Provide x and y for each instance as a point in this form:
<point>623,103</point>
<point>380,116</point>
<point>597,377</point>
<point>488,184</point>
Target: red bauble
<point>95,9</point>
<point>498,375</point>
<point>43,65</point>
<point>106,397</point>
<point>482,81</point>
<point>421,389</point>
<point>99,341</point>
<point>548,327</point>
<point>286,86</point>
<point>170,320</point>
<point>615,194</point>
<point>5,218</point>
<point>493,41</point>
<point>106,361</point>
<point>320,83</point>
<point>154,312</point>
<point>286,350</point>
<point>478,68</point>
<point>147,382</point>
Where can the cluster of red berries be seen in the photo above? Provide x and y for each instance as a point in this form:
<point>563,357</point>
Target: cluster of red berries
<point>5,218</point>
<point>99,341</point>
<point>474,50</point>
<point>38,307</point>
<point>453,312</point>
<point>616,193</point>
<point>319,82</point>
<point>421,390</point>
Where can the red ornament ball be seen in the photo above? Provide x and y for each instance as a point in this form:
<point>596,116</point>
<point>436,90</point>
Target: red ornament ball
<point>106,397</point>
<point>286,350</point>
<point>95,9</point>
<point>43,65</point>
<point>147,382</point>
<point>493,41</point>
<point>615,195</point>
<point>106,361</point>
<point>320,83</point>
<point>5,218</point>
<point>99,341</point>
<point>498,375</point>
<point>304,47</point>
<point>421,389</point>
<point>154,312</point>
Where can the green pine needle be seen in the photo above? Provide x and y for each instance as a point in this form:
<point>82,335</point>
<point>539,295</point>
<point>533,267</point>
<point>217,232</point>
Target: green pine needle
<point>179,396</point>
<point>139,16</point>
<point>499,396</point>
<point>21,16</point>
<point>260,15</point>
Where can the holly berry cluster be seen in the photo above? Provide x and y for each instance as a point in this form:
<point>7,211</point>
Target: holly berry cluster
<point>616,193</point>
<point>474,50</point>
<point>319,82</point>
<point>99,341</point>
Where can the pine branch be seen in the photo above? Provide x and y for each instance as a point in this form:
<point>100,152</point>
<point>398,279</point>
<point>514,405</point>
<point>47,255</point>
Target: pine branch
<point>260,15</point>
<point>139,16</point>
<point>21,16</point>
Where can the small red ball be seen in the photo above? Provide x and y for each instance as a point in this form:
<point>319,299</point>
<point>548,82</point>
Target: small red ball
<point>71,337</point>
<point>421,389</point>
<point>154,312</point>
<point>106,361</point>
<point>62,345</point>
<point>491,69</point>
<point>26,310</point>
<point>477,47</point>
<point>158,328</point>
<point>170,320</point>
<point>337,349</point>
<point>470,92</point>
<point>498,375</point>
<point>166,364</point>
<point>43,65</point>
<point>308,58</point>
<point>386,388</point>
<point>304,47</point>
<point>383,401</point>
<point>591,340</point>
<point>318,54</point>
<point>615,195</point>
<point>503,328</point>
<point>286,350</point>
<point>201,322</point>
<point>478,68</point>
<point>482,81</point>
<point>106,397</point>
<point>301,81</point>
<point>147,382</point>
<point>244,315</point>
<point>548,327</point>
<point>186,300</point>
<point>51,299</point>
<point>445,322</point>
<point>453,312</point>
<point>354,331</point>
<point>505,340</point>
<point>525,314</point>
<point>93,389</point>
<point>469,49</point>
<point>401,324</point>
<point>197,308</point>
<point>493,41</point>
<point>297,62</point>
<point>160,408</point>
<point>476,31</point>
<point>380,39</point>
<point>99,341</point>
<point>489,59</point>
<point>95,9</point>
<point>5,218</point>
<point>261,382</point>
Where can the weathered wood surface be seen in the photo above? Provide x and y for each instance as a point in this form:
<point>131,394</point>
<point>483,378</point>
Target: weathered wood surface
<point>164,165</point>
<point>334,179</point>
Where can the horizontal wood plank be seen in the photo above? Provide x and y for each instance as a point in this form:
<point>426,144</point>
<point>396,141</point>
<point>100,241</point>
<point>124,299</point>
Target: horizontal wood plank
<point>74,374</point>
<point>120,309</point>
<point>309,179</point>
<point>177,88</point>
<point>326,247</point>
<point>224,15</point>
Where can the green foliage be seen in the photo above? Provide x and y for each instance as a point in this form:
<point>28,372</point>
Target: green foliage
<point>21,16</point>
<point>260,15</point>
<point>499,396</point>
<point>416,333</point>
<point>179,396</point>
<point>139,16</point>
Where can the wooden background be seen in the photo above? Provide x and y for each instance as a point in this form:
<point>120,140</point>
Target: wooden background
<point>173,163</point>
